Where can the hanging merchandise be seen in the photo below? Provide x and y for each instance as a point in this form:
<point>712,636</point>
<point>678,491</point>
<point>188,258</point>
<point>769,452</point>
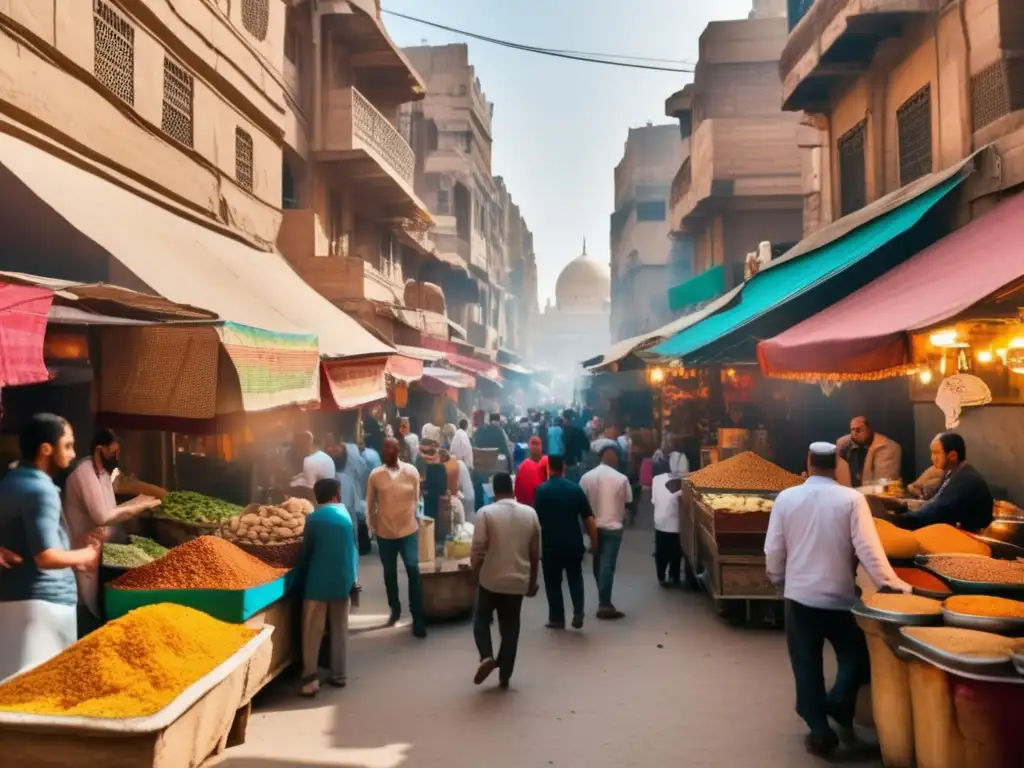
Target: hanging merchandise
<point>401,394</point>
<point>958,392</point>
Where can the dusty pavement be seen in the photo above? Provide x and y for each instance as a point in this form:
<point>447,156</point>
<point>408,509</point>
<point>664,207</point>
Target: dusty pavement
<point>671,684</point>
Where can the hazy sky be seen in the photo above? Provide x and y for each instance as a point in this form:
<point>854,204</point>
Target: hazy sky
<point>560,126</point>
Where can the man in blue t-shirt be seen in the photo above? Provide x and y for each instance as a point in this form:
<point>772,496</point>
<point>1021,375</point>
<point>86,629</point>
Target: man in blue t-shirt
<point>329,563</point>
<point>38,593</point>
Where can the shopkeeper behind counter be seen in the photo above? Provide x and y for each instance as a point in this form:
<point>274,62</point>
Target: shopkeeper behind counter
<point>90,504</point>
<point>963,498</point>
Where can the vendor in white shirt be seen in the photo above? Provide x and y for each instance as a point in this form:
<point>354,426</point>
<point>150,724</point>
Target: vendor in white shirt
<point>90,504</point>
<point>316,464</point>
<point>668,551</point>
<point>816,533</point>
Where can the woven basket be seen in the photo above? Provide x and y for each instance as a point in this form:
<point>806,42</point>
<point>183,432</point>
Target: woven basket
<point>280,555</point>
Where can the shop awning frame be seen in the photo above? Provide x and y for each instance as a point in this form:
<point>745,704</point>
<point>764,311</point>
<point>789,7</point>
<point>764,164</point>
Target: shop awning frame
<point>707,286</point>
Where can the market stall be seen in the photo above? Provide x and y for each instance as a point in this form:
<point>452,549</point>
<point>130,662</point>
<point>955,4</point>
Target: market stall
<point>723,520</point>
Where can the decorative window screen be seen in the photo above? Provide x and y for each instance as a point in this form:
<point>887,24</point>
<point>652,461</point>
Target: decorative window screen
<point>176,121</point>
<point>243,158</point>
<point>114,51</point>
<point>256,17</point>
<point>853,193</point>
<point>990,94</point>
<point>914,127</point>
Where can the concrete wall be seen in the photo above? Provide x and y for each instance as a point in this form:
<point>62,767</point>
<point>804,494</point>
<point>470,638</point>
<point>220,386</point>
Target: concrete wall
<point>237,84</point>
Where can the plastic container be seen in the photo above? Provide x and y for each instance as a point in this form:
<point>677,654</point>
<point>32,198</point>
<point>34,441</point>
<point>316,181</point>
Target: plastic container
<point>231,605</point>
<point>427,551</point>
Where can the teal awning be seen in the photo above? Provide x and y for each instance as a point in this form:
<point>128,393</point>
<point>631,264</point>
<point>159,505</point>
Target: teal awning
<point>793,277</point>
<point>708,285</point>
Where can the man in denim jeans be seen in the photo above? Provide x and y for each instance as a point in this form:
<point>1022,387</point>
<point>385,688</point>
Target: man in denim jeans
<point>609,493</point>
<point>392,494</point>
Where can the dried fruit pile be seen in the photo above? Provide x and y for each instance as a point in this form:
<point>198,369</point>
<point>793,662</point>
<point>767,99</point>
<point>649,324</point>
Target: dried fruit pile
<point>744,472</point>
<point>203,563</point>
<point>982,570</point>
<point>266,524</point>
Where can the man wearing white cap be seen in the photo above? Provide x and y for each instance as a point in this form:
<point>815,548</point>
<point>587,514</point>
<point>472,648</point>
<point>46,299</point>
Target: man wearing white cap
<point>816,534</point>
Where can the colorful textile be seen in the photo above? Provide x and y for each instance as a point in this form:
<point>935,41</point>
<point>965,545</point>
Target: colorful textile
<point>23,313</point>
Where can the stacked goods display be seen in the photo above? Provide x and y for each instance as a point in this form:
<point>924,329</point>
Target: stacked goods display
<point>207,573</point>
<point>161,686</point>
<point>724,517</point>
<point>273,533</point>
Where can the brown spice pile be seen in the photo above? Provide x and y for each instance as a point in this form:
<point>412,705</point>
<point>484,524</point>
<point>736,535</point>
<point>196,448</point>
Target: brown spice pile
<point>963,642</point>
<point>900,603</point>
<point>942,539</point>
<point>204,563</point>
<point>745,472</point>
<point>983,605</point>
<point>982,570</point>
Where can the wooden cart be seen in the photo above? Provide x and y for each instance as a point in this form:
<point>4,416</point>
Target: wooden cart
<point>724,553</point>
<point>205,719</point>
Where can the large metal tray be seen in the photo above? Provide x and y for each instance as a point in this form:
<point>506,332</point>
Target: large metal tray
<point>990,665</point>
<point>960,587</point>
<point>1000,625</point>
<point>892,617</point>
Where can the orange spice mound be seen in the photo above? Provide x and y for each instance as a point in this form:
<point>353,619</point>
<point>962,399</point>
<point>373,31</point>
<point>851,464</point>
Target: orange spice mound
<point>899,603</point>
<point>915,577</point>
<point>207,562</point>
<point>984,605</point>
<point>745,472</point>
<point>942,539</point>
<point>133,666</point>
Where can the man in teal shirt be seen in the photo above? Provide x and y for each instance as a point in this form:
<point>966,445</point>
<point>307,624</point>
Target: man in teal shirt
<point>329,563</point>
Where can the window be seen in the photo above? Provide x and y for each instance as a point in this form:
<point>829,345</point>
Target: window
<point>243,159</point>
<point>292,46</point>
<point>114,56</point>
<point>651,211</point>
<point>256,17</point>
<point>176,121</point>
<point>462,90</point>
<point>990,95</point>
<point>914,129</point>
<point>853,194</point>
<point>467,141</point>
<point>444,205</point>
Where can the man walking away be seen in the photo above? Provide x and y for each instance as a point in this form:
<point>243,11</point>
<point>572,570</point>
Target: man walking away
<point>461,447</point>
<point>562,507</point>
<point>392,494</point>
<point>814,535</point>
<point>668,552</point>
<point>493,436</point>
<point>329,563</point>
<point>608,492</point>
<point>532,472</point>
<point>576,445</point>
<point>506,559</point>
<point>556,435</point>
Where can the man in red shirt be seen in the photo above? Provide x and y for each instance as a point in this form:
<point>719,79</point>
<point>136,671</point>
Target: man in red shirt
<point>531,473</point>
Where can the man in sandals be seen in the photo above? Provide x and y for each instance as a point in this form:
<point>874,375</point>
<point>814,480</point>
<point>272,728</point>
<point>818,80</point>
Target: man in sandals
<point>328,562</point>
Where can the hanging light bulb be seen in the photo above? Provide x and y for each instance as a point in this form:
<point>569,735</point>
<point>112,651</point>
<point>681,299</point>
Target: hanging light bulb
<point>657,375</point>
<point>945,338</point>
<point>985,356</point>
<point>942,366</point>
<point>926,376</point>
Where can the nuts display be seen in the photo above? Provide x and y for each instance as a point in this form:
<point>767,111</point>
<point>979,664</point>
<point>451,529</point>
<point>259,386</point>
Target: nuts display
<point>726,502</point>
<point>981,570</point>
<point>744,472</point>
<point>268,524</point>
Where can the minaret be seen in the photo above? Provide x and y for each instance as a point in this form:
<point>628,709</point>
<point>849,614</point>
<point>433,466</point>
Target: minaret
<point>584,246</point>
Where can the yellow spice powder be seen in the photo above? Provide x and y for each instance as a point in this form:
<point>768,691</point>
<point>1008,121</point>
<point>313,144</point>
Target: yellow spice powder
<point>963,642</point>
<point>942,539</point>
<point>984,605</point>
<point>133,666</point>
<point>897,543</point>
<point>900,603</point>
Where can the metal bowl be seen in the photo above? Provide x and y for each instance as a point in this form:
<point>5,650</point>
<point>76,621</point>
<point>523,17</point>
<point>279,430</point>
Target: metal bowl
<point>893,617</point>
<point>1018,661</point>
<point>959,587</point>
<point>957,661</point>
<point>1000,625</point>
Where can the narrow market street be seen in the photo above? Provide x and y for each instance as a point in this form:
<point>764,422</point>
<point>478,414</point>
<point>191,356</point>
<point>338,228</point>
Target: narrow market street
<point>670,685</point>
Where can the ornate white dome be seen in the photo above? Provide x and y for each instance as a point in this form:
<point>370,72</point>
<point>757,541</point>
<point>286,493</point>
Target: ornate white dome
<point>585,284</point>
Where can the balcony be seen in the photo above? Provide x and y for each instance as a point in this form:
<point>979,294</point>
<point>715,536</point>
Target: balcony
<point>452,245</point>
<point>369,149</point>
<point>738,162</point>
<point>834,42</point>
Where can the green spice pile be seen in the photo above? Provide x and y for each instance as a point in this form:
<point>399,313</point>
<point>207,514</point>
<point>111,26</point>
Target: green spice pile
<point>140,551</point>
<point>191,507</point>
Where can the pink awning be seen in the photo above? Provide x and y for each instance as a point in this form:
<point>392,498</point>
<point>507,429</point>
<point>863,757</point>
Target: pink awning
<point>866,334</point>
<point>23,313</point>
<point>476,367</point>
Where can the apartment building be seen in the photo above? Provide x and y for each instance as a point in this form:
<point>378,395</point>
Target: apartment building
<point>644,259</point>
<point>352,224</point>
<point>519,282</point>
<point>740,183</point>
<point>894,90</point>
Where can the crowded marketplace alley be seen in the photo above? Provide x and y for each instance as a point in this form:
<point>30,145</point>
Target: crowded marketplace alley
<point>671,684</point>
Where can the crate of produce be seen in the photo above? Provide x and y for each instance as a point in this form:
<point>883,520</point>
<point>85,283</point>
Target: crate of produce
<point>271,532</point>
<point>208,574</point>
<point>205,717</point>
<point>186,515</point>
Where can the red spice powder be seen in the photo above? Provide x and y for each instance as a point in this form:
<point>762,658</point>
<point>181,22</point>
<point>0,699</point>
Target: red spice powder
<point>915,577</point>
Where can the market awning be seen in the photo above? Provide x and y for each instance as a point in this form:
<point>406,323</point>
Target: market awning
<point>405,369</point>
<point>349,385</point>
<point>419,353</point>
<point>23,313</point>
<point>185,261</point>
<point>482,368</point>
<point>866,334</point>
<point>438,380</point>
<point>804,281</point>
<point>708,285</point>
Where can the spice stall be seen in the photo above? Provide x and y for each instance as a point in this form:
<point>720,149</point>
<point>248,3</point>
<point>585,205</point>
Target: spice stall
<point>723,520</point>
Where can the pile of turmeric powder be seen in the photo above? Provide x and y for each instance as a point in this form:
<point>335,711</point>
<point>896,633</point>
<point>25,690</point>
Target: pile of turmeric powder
<point>897,543</point>
<point>942,539</point>
<point>132,667</point>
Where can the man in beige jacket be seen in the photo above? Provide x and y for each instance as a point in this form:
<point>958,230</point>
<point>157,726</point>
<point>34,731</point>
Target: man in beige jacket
<point>866,457</point>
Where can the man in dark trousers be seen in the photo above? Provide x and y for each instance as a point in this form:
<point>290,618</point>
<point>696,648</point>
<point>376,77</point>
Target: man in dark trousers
<point>562,508</point>
<point>506,559</point>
